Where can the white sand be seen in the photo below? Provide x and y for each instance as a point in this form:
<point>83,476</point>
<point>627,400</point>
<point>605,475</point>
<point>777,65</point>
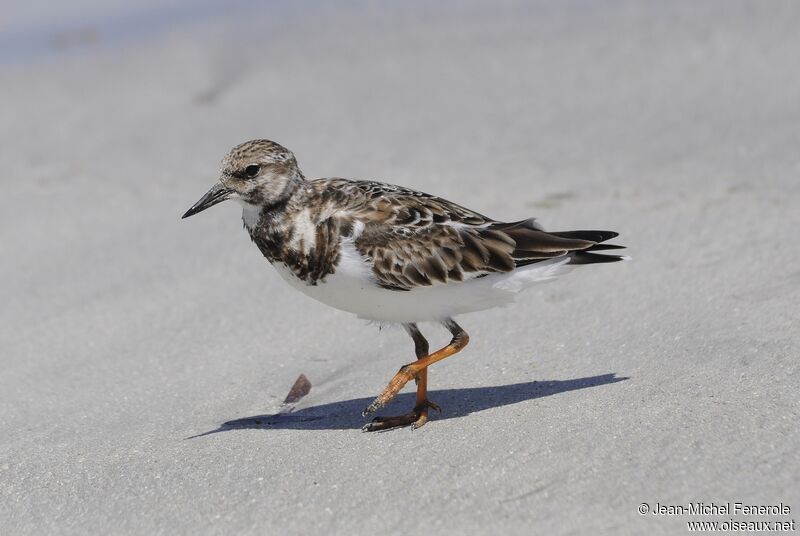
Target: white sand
<point>125,330</point>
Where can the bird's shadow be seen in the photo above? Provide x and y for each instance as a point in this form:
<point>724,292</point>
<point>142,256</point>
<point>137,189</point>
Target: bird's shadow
<point>455,403</point>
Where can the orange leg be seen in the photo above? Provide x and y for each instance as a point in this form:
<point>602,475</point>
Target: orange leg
<point>419,371</point>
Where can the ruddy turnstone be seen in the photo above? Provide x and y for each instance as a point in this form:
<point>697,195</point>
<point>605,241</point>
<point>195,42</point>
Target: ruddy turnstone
<point>391,254</point>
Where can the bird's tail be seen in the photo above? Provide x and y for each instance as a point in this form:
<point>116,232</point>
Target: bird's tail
<point>589,255</point>
<point>533,244</point>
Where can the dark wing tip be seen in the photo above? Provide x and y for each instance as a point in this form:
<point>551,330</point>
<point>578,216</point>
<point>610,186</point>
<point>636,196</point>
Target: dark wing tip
<point>592,236</point>
<point>584,257</point>
<point>600,247</point>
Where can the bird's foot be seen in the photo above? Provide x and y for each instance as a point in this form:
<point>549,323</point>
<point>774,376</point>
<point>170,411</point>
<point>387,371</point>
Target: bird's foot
<point>415,418</point>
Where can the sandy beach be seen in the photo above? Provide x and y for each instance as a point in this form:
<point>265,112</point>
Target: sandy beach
<point>129,338</point>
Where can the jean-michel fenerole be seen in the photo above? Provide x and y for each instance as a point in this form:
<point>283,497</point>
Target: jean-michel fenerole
<point>721,509</point>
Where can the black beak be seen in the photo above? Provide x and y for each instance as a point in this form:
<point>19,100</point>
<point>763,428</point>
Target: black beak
<point>217,194</point>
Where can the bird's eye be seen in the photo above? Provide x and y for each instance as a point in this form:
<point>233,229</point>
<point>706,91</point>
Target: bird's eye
<point>252,170</point>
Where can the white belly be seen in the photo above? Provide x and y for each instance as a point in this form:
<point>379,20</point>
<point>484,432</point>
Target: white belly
<point>352,288</point>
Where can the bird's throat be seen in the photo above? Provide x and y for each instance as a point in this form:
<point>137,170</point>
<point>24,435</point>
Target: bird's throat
<point>251,215</point>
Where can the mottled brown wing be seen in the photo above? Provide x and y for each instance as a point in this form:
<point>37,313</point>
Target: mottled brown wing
<point>415,239</point>
<point>388,204</point>
<point>407,257</point>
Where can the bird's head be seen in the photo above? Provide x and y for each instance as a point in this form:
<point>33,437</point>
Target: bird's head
<point>256,172</point>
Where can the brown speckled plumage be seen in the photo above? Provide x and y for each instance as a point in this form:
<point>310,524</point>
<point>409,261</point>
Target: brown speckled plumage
<point>409,238</point>
<point>389,253</point>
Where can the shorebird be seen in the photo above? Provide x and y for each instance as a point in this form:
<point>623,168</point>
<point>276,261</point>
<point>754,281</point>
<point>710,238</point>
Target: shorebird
<point>391,254</point>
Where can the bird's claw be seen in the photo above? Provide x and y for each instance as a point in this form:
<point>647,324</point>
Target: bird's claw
<point>416,418</point>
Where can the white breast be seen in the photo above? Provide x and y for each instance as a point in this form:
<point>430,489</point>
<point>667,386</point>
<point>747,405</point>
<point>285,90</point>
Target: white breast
<point>352,288</point>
